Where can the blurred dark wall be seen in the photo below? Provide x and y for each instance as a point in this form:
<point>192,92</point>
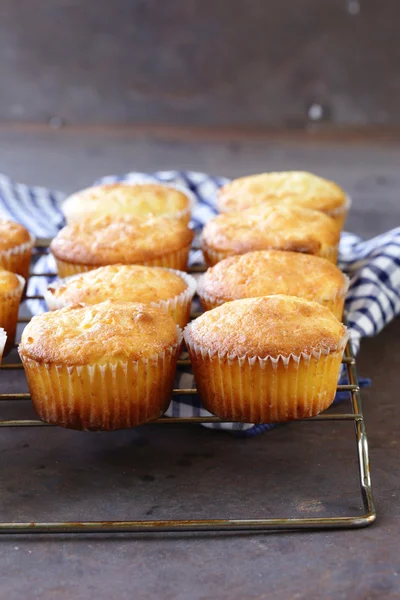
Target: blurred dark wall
<point>254,63</point>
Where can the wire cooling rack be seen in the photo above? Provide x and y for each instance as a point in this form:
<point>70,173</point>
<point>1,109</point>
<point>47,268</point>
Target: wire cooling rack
<point>341,522</point>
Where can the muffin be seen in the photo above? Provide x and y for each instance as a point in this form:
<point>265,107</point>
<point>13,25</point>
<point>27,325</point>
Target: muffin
<point>269,272</point>
<point>172,290</point>
<point>152,241</point>
<point>11,288</point>
<point>107,366</point>
<point>16,245</point>
<point>3,339</point>
<point>294,188</point>
<point>127,199</point>
<point>270,228</point>
<point>270,359</point>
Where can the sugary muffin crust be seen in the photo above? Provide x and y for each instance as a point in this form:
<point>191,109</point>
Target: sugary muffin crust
<point>9,282</point>
<point>132,283</point>
<point>297,188</point>
<point>267,272</point>
<point>12,234</point>
<point>272,227</point>
<point>77,335</point>
<point>111,240</point>
<point>121,199</point>
<point>269,326</point>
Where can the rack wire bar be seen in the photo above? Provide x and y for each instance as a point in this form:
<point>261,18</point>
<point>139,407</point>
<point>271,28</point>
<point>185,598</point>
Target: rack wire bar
<point>210,525</point>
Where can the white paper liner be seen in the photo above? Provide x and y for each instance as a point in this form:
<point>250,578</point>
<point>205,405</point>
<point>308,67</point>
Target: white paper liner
<point>177,259</point>
<point>209,302</point>
<point>108,396</point>
<point>180,215</point>
<point>212,257</point>
<point>258,389</point>
<point>340,210</point>
<point>3,339</point>
<point>173,306</point>
<point>330,253</point>
<point>9,306</point>
<point>66,269</point>
<point>11,258</point>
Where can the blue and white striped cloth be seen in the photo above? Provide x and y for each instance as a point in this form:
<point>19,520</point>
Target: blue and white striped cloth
<point>373,266</point>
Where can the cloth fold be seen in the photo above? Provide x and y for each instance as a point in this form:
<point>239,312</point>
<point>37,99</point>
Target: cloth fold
<point>372,265</point>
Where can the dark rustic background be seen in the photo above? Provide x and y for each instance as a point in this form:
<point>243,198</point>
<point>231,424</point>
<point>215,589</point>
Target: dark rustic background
<point>242,63</point>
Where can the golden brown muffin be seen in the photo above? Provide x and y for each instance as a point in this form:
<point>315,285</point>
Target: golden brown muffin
<point>272,227</point>
<point>269,359</point>
<point>16,245</point>
<point>127,199</point>
<point>11,288</point>
<point>172,290</point>
<point>294,188</point>
<point>269,272</point>
<point>106,366</point>
<point>152,241</point>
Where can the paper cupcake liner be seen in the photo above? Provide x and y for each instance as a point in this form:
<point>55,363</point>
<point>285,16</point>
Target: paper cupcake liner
<point>9,307</point>
<point>66,269</point>
<point>330,253</point>
<point>173,260</point>
<point>339,214</point>
<point>212,257</point>
<point>178,306</point>
<point>107,396</point>
<point>335,303</point>
<point>177,260</point>
<point>266,390</point>
<point>18,259</point>
<point>3,340</point>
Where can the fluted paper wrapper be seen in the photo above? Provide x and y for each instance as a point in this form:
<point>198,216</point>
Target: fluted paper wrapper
<point>173,260</point>
<point>266,390</point>
<point>330,253</point>
<point>212,257</point>
<point>9,307</point>
<point>335,303</point>
<point>339,214</point>
<point>178,306</point>
<point>18,259</point>
<point>3,339</point>
<point>107,396</point>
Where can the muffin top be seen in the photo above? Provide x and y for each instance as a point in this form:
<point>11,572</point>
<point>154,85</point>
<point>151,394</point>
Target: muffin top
<point>132,283</point>
<point>77,335</point>
<point>12,234</point>
<point>112,240</point>
<point>266,272</point>
<point>10,282</point>
<point>297,188</point>
<point>276,227</point>
<point>269,326</point>
<point>121,199</point>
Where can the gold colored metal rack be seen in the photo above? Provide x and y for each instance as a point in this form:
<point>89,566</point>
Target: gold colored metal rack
<point>210,525</point>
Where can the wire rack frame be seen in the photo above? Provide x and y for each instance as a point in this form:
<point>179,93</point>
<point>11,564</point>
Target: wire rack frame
<point>210,525</point>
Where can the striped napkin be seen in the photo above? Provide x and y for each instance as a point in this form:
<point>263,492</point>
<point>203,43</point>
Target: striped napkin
<point>373,265</point>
